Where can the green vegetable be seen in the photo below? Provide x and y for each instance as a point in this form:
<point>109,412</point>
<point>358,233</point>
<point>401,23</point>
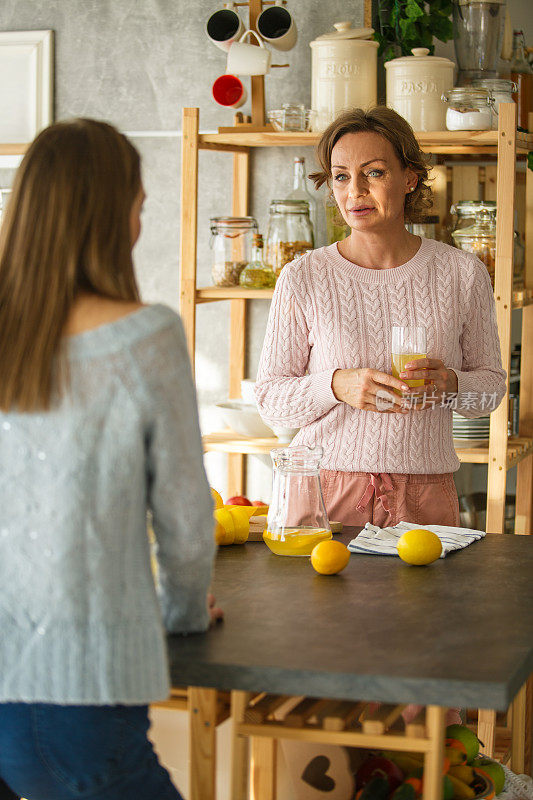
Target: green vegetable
<point>375,789</point>
<point>404,792</point>
<point>404,24</point>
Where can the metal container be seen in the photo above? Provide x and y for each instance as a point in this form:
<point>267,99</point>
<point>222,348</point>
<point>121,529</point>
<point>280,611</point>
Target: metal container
<point>344,72</point>
<point>415,85</point>
<point>477,33</point>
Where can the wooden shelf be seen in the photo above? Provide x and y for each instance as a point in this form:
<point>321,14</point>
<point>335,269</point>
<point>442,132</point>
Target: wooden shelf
<point>211,294</point>
<point>517,449</point>
<point>15,149</point>
<point>231,442</point>
<point>438,142</point>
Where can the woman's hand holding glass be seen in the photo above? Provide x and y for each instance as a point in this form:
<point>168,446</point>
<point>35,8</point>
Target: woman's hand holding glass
<point>438,380</point>
<point>363,388</point>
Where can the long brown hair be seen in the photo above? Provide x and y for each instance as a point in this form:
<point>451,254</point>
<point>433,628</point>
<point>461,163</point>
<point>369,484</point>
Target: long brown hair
<point>391,126</point>
<point>66,230</point>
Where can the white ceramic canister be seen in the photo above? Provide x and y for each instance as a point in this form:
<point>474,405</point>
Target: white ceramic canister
<point>415,85</point>
<point>344,72</point>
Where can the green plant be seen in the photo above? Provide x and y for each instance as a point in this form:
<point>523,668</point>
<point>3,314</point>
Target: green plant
<point>404,24</point>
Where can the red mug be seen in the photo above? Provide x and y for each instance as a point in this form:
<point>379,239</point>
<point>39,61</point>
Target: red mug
<point>229,91</point>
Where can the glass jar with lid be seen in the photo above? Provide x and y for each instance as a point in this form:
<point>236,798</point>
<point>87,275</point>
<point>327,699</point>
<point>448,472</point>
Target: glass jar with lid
<point>290,233</point>
<point>468,109</point>
<point>501,91</point>
<point>479,239</point>
<point>231,240</point>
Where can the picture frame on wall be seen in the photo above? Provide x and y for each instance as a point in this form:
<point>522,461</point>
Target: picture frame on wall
<point>26,84</point>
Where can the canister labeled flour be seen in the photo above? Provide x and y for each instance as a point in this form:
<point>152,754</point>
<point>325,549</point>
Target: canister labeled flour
<point>344,70</point>
<point>415,85</point>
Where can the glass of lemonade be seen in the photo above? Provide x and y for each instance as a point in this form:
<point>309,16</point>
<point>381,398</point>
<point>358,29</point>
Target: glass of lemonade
<point>408,344</point>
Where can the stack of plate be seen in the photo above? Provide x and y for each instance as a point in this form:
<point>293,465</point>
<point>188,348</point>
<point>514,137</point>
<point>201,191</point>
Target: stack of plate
<point>470,432</point>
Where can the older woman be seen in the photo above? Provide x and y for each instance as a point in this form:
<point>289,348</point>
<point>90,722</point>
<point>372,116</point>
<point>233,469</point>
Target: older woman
<point>326,360</point>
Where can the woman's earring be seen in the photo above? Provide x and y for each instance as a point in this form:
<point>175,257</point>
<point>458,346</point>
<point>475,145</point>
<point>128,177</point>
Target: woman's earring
<point>411,188</point>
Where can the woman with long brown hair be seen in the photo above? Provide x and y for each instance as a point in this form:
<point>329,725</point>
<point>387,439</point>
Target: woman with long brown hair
<point>98,425</point>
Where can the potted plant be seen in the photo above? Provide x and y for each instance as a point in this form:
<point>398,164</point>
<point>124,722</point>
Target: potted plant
<point>403,24</point>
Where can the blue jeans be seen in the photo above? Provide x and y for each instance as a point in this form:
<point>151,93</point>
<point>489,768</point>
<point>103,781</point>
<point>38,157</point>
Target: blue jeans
<point>54,752</point>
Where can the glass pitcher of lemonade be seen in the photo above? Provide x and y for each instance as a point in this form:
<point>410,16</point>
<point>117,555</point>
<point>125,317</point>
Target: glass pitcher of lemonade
<point>297,518</point>
<point>408,344</point>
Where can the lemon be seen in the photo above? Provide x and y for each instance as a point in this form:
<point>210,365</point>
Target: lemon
<point>419,546</point>
<point>241,521</point>
<point>224,526</point>
<point>217,499</point>
<point>329,557</point>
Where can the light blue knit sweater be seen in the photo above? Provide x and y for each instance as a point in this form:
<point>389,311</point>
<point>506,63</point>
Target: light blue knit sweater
<point>80,620</point>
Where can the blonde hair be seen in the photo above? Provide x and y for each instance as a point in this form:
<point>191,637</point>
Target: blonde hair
<point>66,230</point>
<point>391,126</point>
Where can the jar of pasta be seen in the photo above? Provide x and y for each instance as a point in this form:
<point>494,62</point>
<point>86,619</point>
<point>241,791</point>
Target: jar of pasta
<point>290,232</point>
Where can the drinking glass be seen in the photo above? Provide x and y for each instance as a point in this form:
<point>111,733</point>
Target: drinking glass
<point>408,343</point>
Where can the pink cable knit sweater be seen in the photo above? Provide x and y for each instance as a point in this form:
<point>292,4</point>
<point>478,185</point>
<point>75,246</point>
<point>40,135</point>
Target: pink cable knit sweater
<point>328,313</point>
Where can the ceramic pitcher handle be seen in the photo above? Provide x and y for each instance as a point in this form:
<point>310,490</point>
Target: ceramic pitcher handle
<point>259,40</point>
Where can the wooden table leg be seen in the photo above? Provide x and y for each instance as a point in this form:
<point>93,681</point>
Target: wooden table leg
<point>518,732</point>
<point>434,759</point>
<point>239,748</point>
<point>202,743</point>
<point>263,779</point>
<point>486,731</point>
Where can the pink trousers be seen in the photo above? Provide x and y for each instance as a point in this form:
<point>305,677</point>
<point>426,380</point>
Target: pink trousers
<point>385,499</point>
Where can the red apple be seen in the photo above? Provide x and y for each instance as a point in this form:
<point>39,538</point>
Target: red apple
<point>259,503</point>
<point>238,500</point>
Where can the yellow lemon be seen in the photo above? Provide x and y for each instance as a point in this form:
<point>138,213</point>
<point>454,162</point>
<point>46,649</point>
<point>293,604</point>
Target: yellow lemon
<point>248,510</point>
<point>241,521</point>
<point>224,526</point>
<point>217,499</point>
<point>419,546</point>
<point>329,557</point>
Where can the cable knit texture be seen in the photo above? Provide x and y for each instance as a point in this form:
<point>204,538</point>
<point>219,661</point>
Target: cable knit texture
<point>80,617</point>
<point>328,313</point>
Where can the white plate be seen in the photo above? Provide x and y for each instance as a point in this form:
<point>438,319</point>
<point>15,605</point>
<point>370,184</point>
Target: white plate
<point>460,444</point>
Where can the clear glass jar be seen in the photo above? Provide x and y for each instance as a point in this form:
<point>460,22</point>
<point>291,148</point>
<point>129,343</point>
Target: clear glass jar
<point>501,91</point>
<point>257,274</point>
<point>231,240</point>
<point>468,109</point>
<point>290,233</point>
<point>480,239</point>
<point>336,227</point>
<point>425,228</point>
<point>297,517</point>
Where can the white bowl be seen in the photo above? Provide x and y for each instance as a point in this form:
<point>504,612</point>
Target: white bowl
<point>285,435</point>
<point>244,418</point>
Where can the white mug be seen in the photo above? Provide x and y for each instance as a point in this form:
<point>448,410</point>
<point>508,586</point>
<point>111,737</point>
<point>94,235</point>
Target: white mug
<point>247,59</point>
<point>277,27</point>
<point>224,27</point>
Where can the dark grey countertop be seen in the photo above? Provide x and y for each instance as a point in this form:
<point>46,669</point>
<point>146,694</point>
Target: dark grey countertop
<point>456,633</point>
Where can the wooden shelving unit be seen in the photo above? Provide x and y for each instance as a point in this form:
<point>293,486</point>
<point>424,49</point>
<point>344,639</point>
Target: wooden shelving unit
<point>495,181</point>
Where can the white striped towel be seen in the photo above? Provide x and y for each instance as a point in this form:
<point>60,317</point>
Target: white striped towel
<point>382,541</point>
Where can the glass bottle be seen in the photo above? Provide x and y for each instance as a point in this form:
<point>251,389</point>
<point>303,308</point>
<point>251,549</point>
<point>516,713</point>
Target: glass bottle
<point>257,275</point>
<point>290,233</point>
<point>297,517</point>
<point>522,75</point>
<point>336,227</point>
<point>301,192</point>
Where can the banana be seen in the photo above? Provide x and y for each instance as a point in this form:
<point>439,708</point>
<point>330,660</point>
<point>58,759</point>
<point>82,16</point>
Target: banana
<point>462,790</point>
<point>408,762</point>
<point>463,772</point>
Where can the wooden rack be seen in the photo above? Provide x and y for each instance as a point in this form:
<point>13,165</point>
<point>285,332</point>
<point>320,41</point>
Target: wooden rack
<point>496,181</point>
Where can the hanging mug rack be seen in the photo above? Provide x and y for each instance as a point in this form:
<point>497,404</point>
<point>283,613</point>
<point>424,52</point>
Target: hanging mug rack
<point>257,121</point>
